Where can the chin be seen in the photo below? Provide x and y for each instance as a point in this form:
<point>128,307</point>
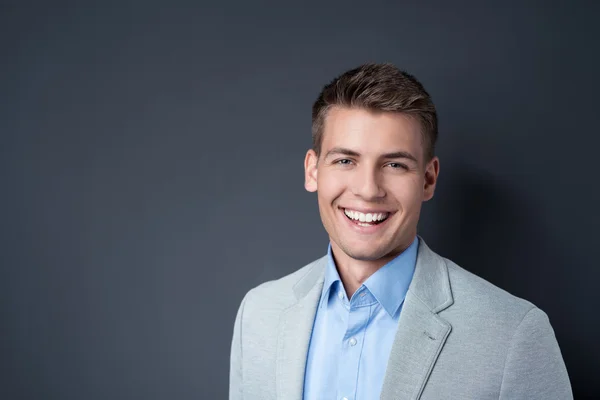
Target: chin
<point>364,254</point>
<point>365,257</point>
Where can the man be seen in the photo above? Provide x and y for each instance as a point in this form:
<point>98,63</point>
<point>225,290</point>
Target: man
<point>382,316</point>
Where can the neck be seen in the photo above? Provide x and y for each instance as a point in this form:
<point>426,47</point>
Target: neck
<point>353,272</point>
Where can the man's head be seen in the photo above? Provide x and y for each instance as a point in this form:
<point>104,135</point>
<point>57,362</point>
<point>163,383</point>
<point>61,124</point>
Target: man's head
<point>378,88</point>
<point>374,133</point>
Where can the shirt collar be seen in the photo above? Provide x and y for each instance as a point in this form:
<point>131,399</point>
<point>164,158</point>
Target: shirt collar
<point>331,277</point>
<point>388,284</point>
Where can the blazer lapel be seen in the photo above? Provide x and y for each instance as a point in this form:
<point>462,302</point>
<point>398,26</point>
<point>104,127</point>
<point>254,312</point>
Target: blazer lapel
<point>421,332</point>
<point>295,328</point>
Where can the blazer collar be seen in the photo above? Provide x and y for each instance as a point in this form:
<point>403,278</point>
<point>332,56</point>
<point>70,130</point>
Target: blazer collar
<point>419,339</point>
<point>314,276</point>
<point>431,283</point>
<point>421,332</point>
<point>294,331</point>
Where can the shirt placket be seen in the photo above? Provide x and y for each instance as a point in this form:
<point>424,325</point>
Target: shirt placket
<point>351,349</point>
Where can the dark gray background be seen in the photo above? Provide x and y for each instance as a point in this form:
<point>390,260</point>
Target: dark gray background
<point>151,173</point>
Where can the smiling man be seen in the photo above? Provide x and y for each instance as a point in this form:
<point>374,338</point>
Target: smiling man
<point>382,316</point>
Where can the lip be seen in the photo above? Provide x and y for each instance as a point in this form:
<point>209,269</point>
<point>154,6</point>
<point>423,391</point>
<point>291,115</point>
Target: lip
<point>366,210</point>
<point>364,230</point>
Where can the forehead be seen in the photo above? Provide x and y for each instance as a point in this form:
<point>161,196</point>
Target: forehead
<point>367,131</point>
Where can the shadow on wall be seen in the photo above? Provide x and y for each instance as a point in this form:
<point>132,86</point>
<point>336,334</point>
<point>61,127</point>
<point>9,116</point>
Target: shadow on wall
<point>493,230</point>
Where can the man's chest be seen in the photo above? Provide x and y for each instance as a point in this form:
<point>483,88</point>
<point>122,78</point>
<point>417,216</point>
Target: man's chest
<point>348,351</point>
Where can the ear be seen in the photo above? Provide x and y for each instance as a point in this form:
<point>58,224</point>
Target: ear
<point>310,171</point>
<point>432,170</point>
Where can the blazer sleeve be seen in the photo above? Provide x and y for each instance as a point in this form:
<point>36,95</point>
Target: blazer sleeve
<point>236,388</point>
<point>534,367</point>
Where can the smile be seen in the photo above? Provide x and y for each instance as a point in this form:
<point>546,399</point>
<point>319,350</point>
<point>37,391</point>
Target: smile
<point>366,219</point>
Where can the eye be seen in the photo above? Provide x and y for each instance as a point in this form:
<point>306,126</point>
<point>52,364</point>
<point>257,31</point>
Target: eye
<point>395,165</point>
<point>343,161</point>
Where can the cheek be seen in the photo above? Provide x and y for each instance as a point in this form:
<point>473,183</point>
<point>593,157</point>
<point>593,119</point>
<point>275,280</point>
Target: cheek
<point>409,192</point>
<point>330,186</point>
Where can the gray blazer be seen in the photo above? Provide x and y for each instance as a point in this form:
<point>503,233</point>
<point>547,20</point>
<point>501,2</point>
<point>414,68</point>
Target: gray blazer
<point>458,337</point>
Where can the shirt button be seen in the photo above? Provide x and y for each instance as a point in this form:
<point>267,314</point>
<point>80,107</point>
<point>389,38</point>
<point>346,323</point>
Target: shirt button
<point>344,398</point>
<point>341,296</point>
<point>352,342</point>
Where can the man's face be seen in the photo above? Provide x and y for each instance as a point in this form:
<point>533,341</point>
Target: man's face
<point>370,179</point>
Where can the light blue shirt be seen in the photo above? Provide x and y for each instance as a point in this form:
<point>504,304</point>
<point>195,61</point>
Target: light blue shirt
<point>352,339</point>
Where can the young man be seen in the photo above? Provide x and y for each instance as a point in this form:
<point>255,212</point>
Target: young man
<point>382,316</point>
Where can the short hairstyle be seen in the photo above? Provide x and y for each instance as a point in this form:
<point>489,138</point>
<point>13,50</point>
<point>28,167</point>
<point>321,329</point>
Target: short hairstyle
<point>379,88</point>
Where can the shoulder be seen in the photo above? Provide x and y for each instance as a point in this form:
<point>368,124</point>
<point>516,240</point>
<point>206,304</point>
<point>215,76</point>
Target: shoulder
<point>480,299</point>
<point>467,283</point>
<point>279,294</point>
<point>504,339</point>
<point>495,322</point>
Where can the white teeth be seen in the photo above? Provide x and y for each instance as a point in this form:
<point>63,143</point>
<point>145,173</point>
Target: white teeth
<point>369,217</point>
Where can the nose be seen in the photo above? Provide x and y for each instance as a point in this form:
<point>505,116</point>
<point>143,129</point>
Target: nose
<point>367,184</point>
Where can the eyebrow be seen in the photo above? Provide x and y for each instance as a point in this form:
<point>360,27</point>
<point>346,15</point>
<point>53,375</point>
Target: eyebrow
<point>342,151</point>
<point>400,154</point>
<point>387,156</point>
